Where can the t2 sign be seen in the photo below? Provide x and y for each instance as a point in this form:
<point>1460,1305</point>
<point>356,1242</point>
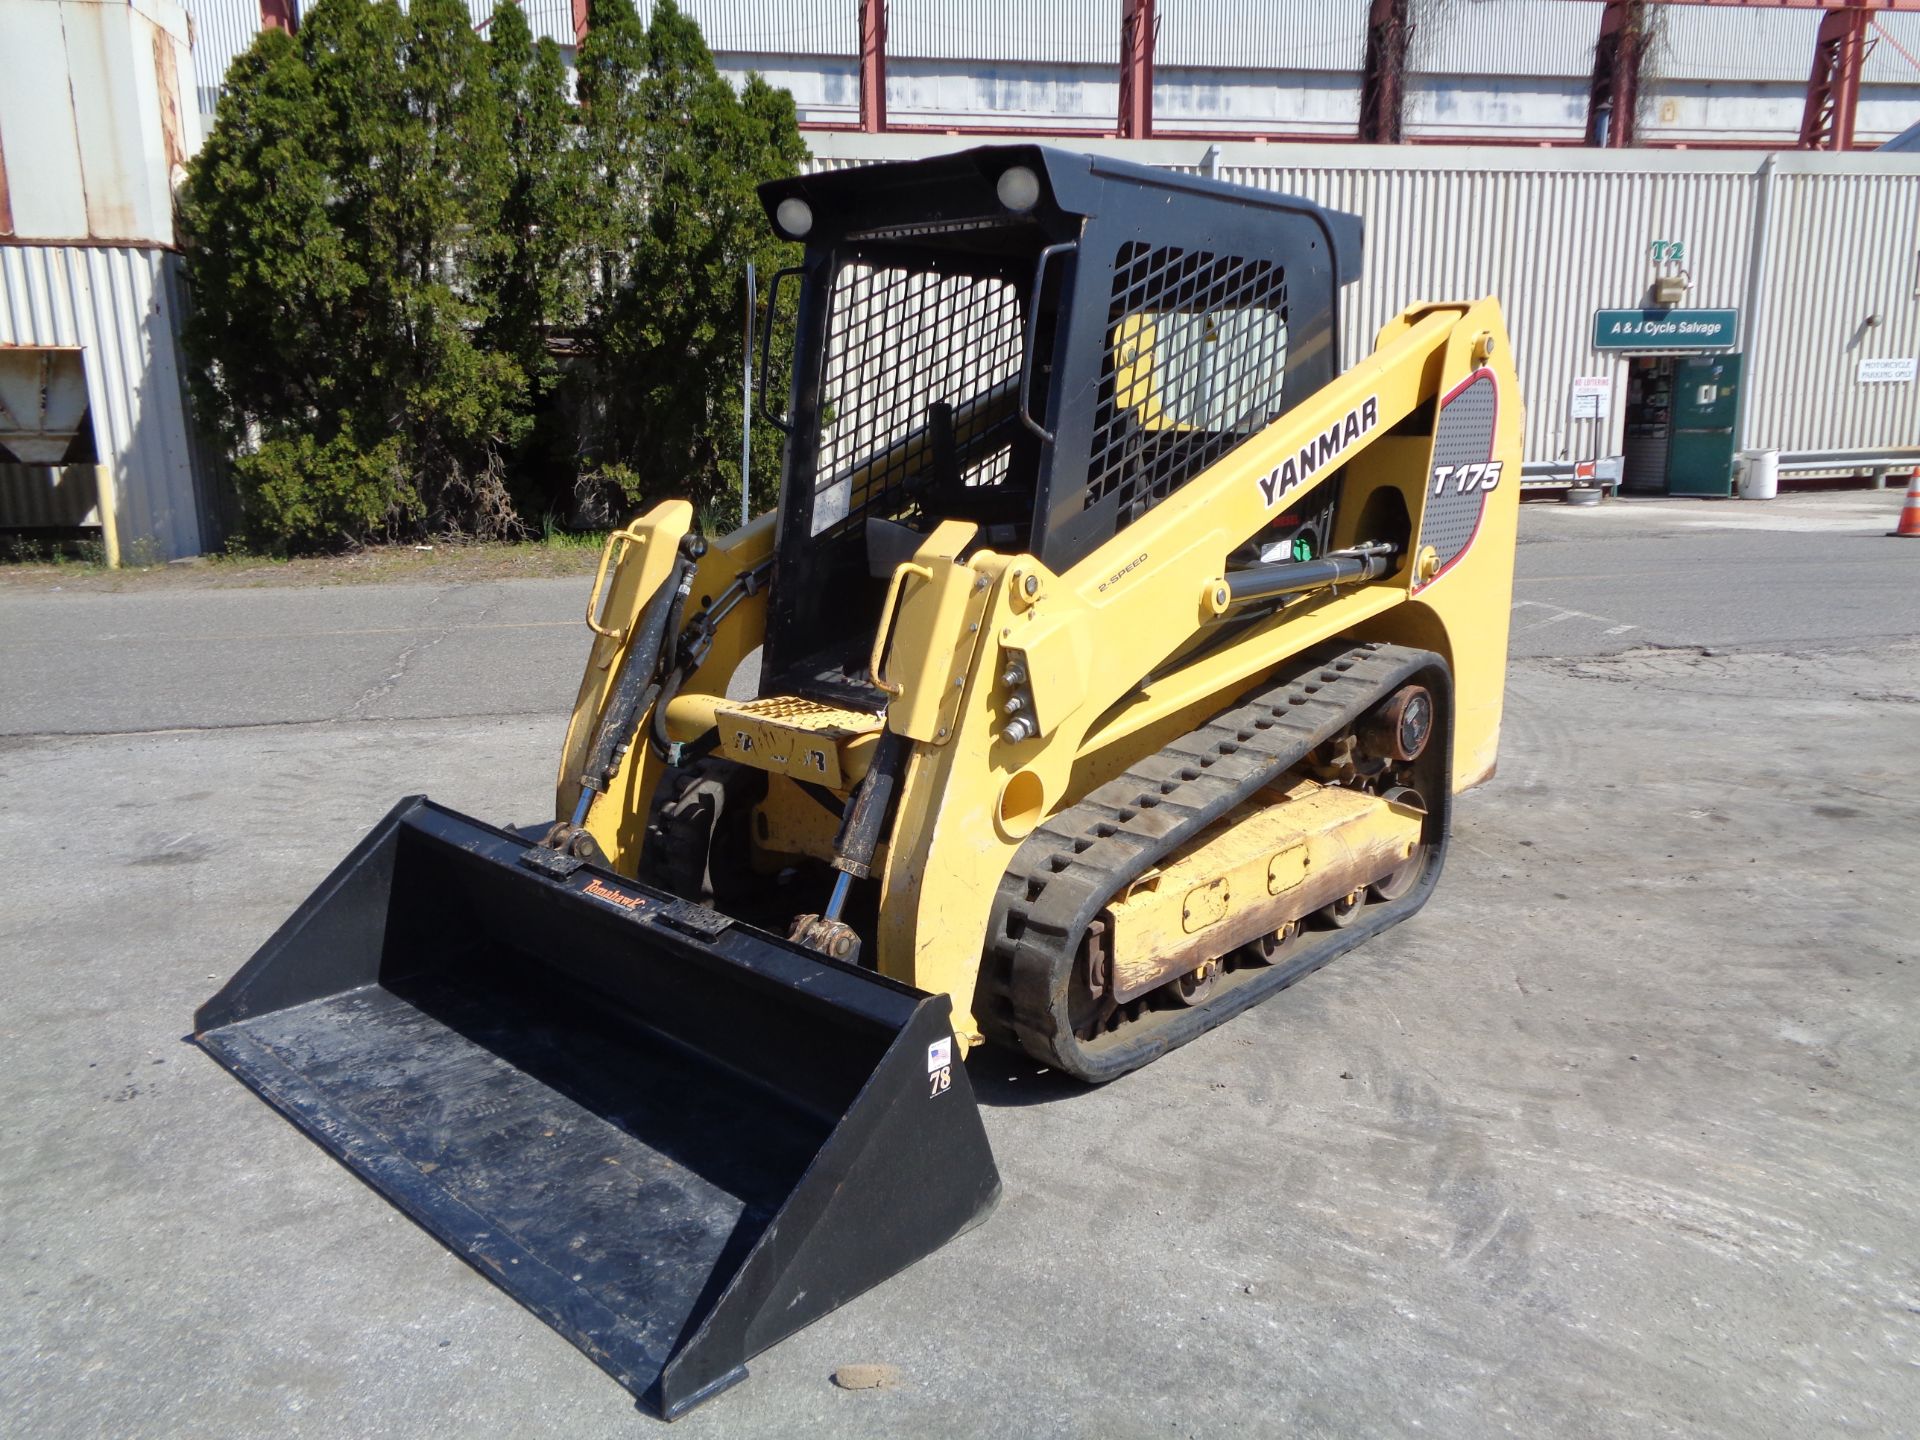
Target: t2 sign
<point>1668,252</point>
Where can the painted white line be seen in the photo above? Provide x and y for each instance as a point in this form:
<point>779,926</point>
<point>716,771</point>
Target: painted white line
<point>1561,613</point>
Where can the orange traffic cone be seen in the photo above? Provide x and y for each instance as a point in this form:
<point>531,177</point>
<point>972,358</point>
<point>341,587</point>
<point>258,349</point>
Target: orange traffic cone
<point>1910,512</point>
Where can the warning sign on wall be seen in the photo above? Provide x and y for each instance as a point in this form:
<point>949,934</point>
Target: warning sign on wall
<point>1590,394</point>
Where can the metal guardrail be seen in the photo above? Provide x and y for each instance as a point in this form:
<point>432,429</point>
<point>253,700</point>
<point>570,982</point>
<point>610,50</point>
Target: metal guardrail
<point>1878,463</point>
<point>1558,474</point>
<point>1552,474</point>
<point>1536,474</point>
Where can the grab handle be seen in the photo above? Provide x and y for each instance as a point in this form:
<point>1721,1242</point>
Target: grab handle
<point>885,632</point>
<point>619,539</point>
<point>1033,329</point>
<point>781,422</point>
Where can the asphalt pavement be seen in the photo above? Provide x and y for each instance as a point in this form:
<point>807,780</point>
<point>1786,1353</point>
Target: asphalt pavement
<point>1615,1138</point>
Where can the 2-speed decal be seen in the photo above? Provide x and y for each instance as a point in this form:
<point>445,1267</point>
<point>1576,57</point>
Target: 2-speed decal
<point>1464,471</point>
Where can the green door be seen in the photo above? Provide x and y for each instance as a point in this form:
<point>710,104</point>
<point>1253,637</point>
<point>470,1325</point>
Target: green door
<point>1706,398</point>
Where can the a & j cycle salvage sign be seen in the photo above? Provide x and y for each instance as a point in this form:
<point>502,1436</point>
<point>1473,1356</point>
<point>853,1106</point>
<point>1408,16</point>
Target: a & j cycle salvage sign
<point>1654,329</point>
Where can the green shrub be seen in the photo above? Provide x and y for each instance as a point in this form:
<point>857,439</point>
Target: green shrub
<point>303,493</point>
<point>393,225</point>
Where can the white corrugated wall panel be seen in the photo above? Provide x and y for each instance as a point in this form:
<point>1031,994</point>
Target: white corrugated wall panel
<point>1731,44</point>
<point>1551,245</point>
<point>122,307</point>
<point>547,19</point>
<point>1557,236</point>
<point>1844,250</point>
<point>47,497</point>
<point>1886,64</point>
<point>1072,32</point>
<point>1252,102</point>
<point>1476,109</point>
<point>1260,35</point>
<point>38,139</point>
<point>1053,96</point>
<point>1531,38</point>
<point>223,30</point>
<point>550,20</point>
<point>788,27</point>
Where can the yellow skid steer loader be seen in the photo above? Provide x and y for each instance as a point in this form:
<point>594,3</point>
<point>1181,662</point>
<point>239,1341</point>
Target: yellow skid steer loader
<point>1110,662</point>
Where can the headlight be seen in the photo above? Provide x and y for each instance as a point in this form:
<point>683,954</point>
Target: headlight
<point>795,216</point>
<point>1018,189</point>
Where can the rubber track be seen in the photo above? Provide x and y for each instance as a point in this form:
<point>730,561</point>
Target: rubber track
<point>1067,870</point>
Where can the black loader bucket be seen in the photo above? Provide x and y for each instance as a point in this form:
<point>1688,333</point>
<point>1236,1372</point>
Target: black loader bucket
<point>674,1138</point>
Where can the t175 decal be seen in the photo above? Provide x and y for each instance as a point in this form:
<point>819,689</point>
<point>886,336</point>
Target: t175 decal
<point>1465,479</point>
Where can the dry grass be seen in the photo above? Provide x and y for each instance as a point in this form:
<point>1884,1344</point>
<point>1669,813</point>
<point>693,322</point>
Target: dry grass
<point>440,563</point>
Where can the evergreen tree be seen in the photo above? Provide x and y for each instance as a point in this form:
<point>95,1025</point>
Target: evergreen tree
<point>610,65</point>
<point>272,279</point>
<point>393,221</point>
<point>667,340</point>
<point>338,226</point>
<point>276,291</point>
<point>535,284</point>
<point>442,173</point>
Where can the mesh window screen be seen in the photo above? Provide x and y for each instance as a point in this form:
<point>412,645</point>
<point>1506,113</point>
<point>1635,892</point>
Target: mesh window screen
<point>898,343</point>
<point>1196,355</point>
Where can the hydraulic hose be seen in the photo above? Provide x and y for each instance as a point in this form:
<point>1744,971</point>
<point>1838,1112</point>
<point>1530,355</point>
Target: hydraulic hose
<point>634,687</point>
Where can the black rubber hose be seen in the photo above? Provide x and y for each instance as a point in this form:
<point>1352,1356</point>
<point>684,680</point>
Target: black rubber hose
<point>669,688</point>
<point>670,683</point>
<point>632,686</point>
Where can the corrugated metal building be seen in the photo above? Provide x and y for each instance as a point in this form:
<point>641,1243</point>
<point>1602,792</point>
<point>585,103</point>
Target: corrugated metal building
<point>1239,66</point>
<point>1477,70</point>
<point>1814,251</point>
<point>97,122</point>
<point>808,47</point>
<point>1817,253</point>
<point>222,30</point>
<point>1501,67</point>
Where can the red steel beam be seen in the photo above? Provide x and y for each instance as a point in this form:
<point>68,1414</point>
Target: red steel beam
<point>1389,27</point>
<point>1833,87</point>
<point>277,15</point>
<point>1907,5</point>
<point>873,65</point>
<point>1613,96</point>
<point>1139,28</point>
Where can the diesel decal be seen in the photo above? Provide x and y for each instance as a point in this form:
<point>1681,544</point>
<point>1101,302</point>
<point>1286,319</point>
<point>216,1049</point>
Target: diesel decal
<point>1296,470</point>
<point>1466,478</point>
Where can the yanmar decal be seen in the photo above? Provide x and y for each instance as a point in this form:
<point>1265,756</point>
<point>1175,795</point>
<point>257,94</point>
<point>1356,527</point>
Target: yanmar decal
<point>1319,452</point>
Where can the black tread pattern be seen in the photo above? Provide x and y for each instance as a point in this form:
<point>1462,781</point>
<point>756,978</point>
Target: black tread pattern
<point>1066,871</point>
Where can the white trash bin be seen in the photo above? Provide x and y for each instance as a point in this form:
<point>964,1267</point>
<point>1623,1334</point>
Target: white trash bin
<point>1759,474</point>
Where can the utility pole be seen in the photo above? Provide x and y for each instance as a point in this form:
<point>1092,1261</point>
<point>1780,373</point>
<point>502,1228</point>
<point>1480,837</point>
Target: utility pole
<point>746,406</point>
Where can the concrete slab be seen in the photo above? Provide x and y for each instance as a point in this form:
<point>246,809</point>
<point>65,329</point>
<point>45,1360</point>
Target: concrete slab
<point>1616,1137</point>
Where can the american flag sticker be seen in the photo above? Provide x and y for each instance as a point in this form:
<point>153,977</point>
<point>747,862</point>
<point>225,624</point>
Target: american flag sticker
<point>939,1055</point>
